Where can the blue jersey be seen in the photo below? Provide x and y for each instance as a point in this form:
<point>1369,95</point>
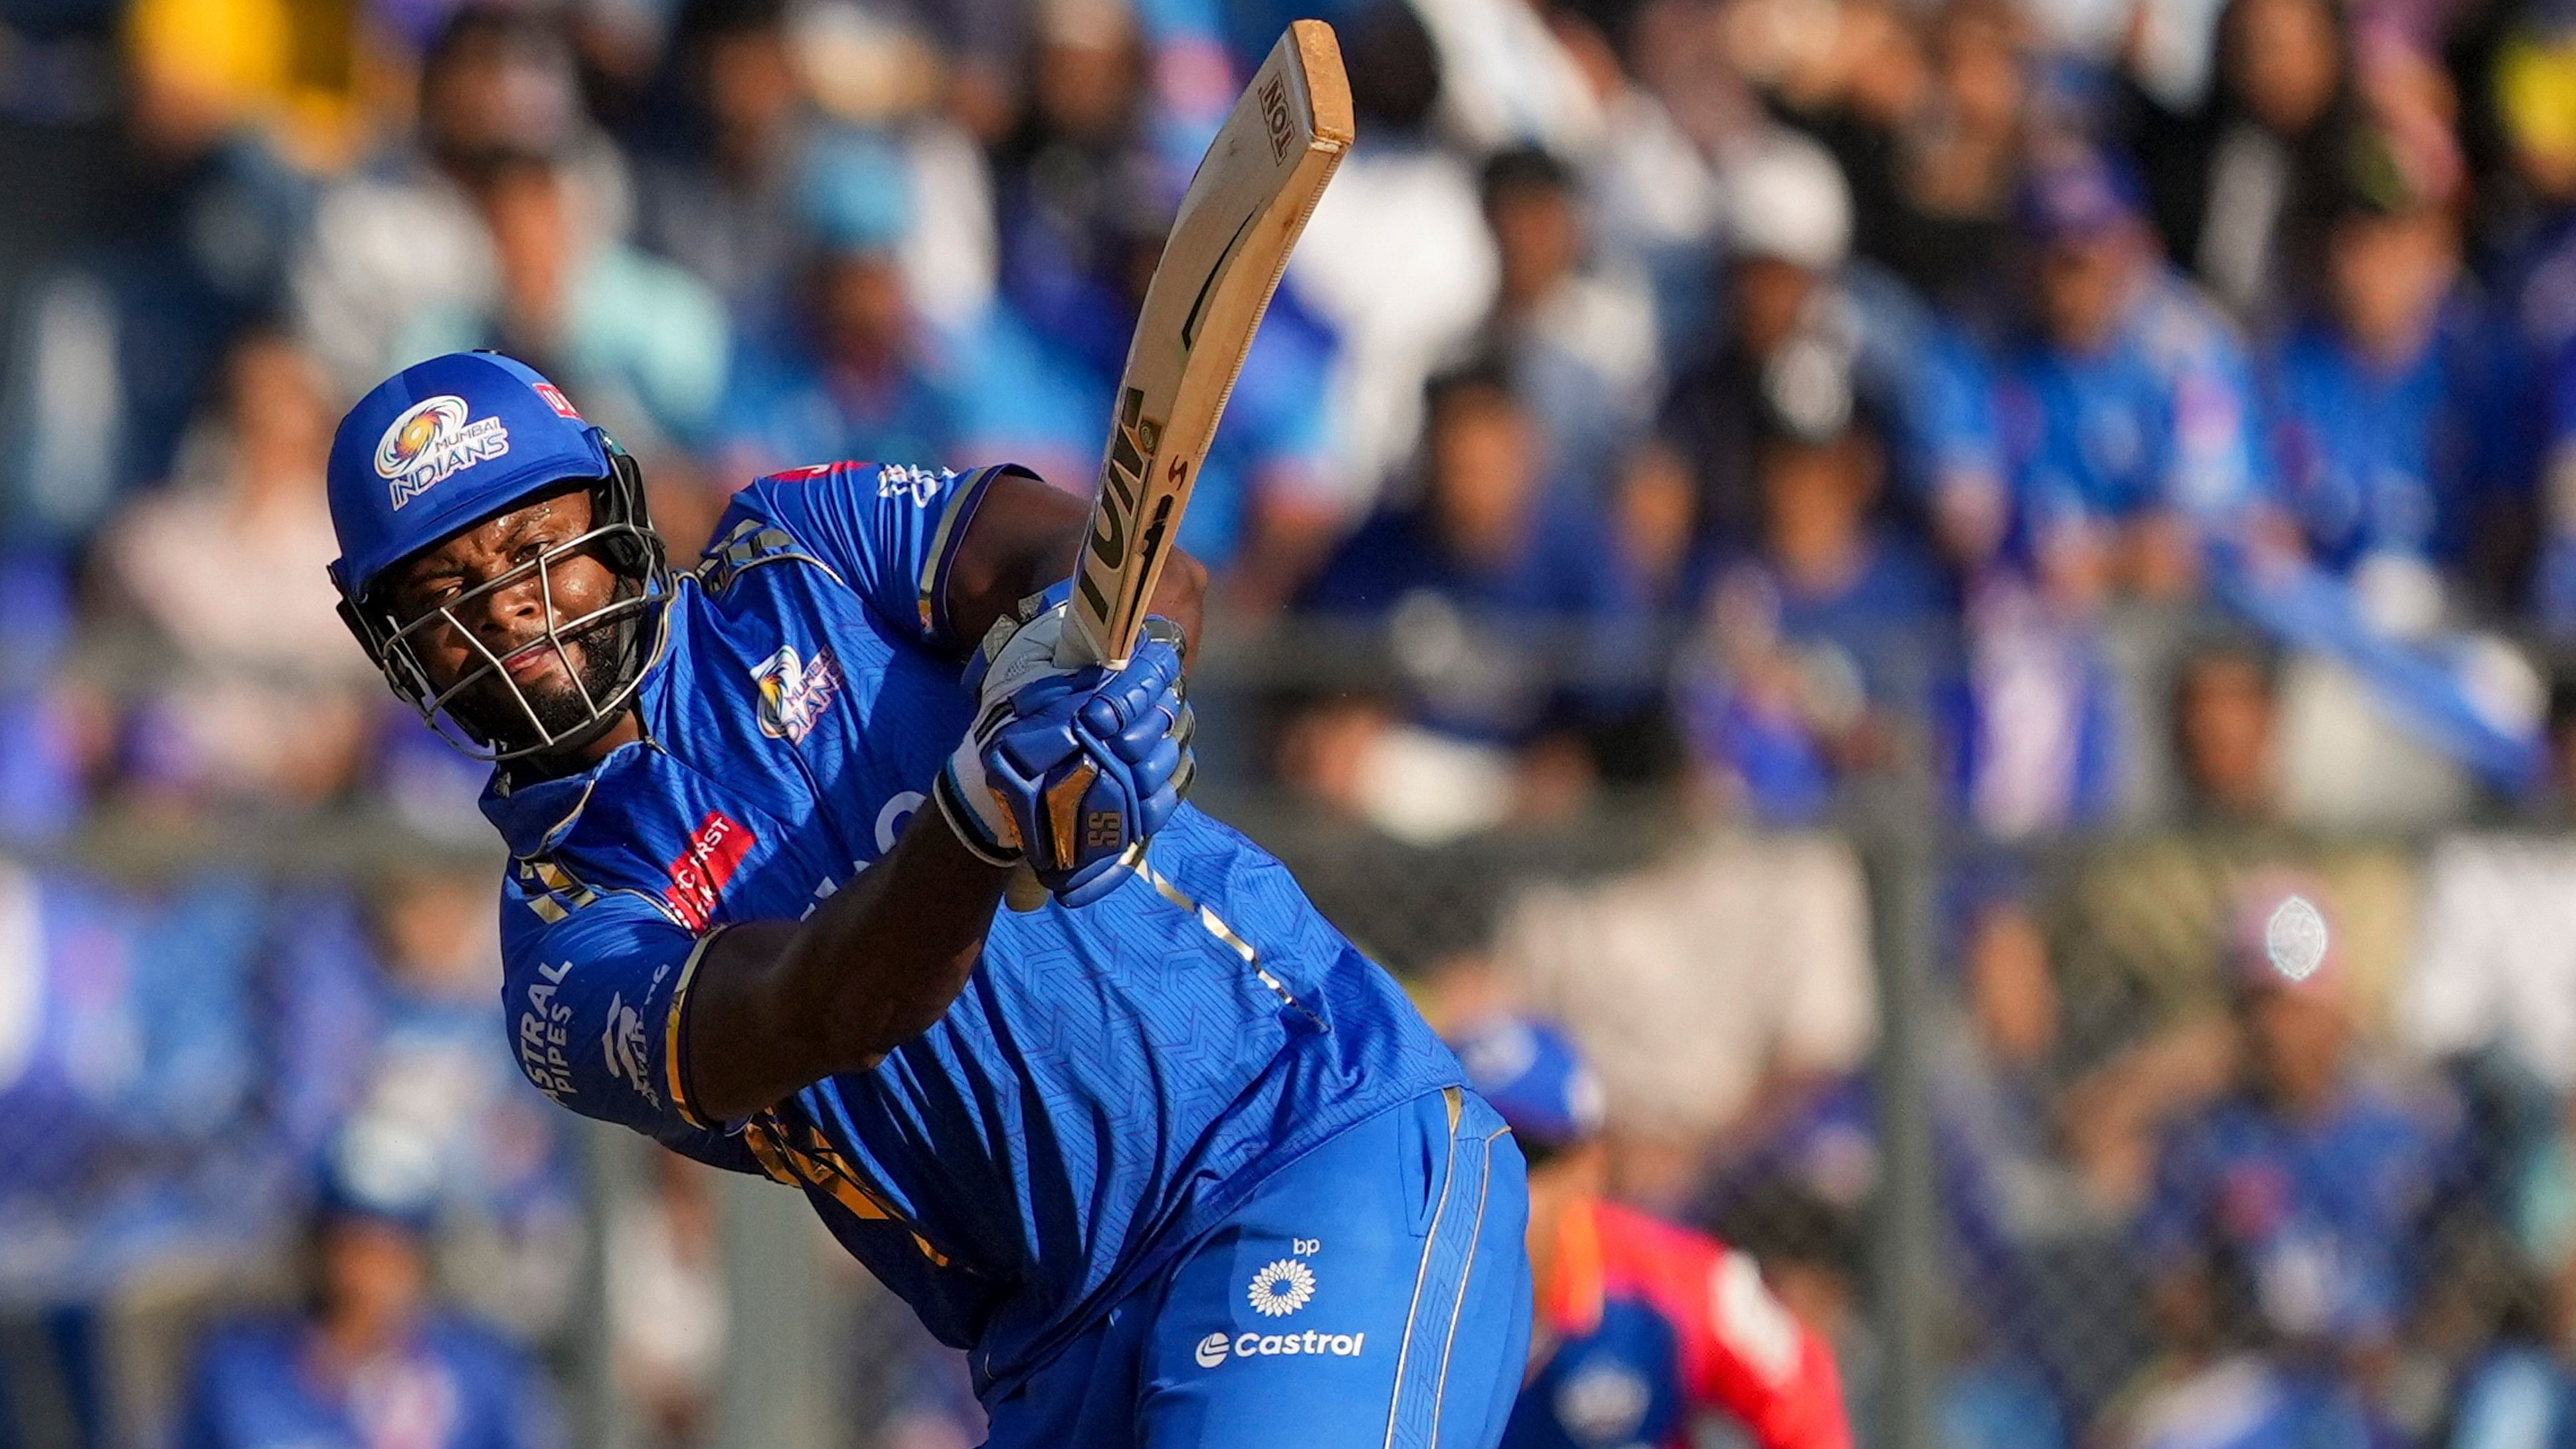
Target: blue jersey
<point>1112,1080</point>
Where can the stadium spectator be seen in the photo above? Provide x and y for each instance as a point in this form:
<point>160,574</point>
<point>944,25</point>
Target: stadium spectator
<point>2238,182</point>
<point>667,1300</point>
<point>1399,311</point>
<point>2491,994</point>
<point>375,1359</point>
<point>2393,407</point>
<point>1723,991</point>
<point>1485,588</point>
<point>131,1066</point>
<point>1085,201</point>
<point>1938,209</point>
<point>1792,342</point>
<point>224,566</point>
<point>1799,672</point>
<point>188,223</point>
<point>2137,932</point>
<point>432,1069</point>
<point>717,180</point>
<point>2287,1218</point>
<point>642,340</point>
<point>848,371</point>
<point>402,236</point>
<point>1579,336</point>
<point>2122,421</point>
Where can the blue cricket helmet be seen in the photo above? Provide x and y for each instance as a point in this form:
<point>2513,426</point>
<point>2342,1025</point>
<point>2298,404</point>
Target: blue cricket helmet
<point>442,446</point>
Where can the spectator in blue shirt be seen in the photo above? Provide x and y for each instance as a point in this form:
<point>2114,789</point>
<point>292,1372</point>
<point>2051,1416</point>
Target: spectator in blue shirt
<point>1806,638</point>
<point>373,1361</point>
<point>1491,539</point>
<point>2122,423</point>
<point>846,370</point>
<point>2286,1216</point>
<point>2392,410</point>
<point>1493,592</point>
<point>1580,336</point>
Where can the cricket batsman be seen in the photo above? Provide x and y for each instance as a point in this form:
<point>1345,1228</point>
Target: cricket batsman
<point>1643,1327</point>
<point>1168,1156</point>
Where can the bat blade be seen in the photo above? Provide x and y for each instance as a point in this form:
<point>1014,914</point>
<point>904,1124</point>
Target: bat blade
<point>1246,205</point>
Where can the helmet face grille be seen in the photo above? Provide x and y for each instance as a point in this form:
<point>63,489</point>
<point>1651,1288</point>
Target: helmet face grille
<point>632,625</point>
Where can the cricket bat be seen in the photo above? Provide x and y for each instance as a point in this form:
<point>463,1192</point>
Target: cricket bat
<point>1240,218</point>
<point>1245,207</point>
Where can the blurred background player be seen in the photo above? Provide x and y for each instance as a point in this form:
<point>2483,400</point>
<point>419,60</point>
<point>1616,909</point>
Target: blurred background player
<point>1643,1328</point>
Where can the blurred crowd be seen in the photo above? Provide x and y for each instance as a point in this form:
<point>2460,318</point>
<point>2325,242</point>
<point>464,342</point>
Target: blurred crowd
<point>2127,447</point>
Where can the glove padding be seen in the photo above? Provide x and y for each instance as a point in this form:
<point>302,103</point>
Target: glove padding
<point>1072,770</point>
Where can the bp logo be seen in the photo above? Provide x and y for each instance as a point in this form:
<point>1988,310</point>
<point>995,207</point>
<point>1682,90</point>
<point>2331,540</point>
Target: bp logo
<point>433,441</point>
<point>1281,1288</point>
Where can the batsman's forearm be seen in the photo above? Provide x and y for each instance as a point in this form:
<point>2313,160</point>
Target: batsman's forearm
<point>780,1005</point>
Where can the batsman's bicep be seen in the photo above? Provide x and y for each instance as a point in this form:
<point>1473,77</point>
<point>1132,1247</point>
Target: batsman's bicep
<point>1022,538</point>
<point>893,532</point>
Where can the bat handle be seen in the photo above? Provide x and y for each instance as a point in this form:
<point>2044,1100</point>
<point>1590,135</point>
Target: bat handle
<point>1077,647</point>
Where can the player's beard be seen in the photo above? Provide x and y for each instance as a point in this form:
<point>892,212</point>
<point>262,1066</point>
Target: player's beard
<point>597,654</point>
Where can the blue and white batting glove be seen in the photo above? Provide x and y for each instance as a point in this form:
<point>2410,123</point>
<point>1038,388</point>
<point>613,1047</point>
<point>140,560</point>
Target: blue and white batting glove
<point>1071,770</point>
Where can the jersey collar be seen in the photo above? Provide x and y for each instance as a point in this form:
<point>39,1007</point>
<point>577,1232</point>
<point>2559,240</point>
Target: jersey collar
<point>534,816</point>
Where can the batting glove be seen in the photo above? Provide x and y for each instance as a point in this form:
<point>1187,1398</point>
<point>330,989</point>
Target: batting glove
<point>1069,770</point>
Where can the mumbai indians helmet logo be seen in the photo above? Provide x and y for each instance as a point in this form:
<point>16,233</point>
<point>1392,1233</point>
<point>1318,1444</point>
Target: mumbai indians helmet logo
<point>793,692</point>
<point>431,442</point>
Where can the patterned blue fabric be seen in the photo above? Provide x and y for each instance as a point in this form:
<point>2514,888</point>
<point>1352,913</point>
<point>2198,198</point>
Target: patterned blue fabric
<point>1375,1294</point>
<point>1114,1080</point>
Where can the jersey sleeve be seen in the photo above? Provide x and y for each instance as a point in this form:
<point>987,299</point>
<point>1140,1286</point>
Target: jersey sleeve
<point>890,531</point>
<point>594,998</point>
<point>1757,1361</point>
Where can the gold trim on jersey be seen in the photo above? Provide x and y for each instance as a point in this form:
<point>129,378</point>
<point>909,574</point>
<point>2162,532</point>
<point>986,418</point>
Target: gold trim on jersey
<point>674,1078</point>
<point>815,1162</point>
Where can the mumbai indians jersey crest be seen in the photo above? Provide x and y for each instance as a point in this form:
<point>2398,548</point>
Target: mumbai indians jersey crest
<point>432,441</point>
<point>794,691</point>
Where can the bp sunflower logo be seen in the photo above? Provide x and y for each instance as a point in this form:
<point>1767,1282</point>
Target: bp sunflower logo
<point>1282,1288</point>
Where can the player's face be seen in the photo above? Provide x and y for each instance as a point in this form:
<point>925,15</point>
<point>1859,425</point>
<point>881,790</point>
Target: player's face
<point>372,1273</point>
<point>518,623</point>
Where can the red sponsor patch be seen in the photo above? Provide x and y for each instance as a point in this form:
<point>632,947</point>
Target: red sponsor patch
<point>698,877</point>
<point>808,473</point>
<point>555,399</point>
